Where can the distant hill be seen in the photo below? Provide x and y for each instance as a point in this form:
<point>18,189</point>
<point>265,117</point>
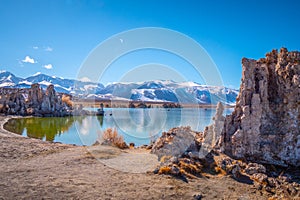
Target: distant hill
<point>158,90</point>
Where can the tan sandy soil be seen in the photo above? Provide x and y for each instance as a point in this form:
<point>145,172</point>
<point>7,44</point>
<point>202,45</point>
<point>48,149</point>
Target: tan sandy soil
<point>34,169</point>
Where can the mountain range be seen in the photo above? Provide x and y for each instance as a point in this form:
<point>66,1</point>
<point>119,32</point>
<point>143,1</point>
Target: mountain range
<point>154,91</point>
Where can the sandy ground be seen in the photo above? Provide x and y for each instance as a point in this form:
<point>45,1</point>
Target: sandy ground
<point>34,169</point>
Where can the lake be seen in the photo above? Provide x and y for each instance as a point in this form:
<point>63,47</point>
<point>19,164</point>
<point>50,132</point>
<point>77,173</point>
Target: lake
<point>140,126</point>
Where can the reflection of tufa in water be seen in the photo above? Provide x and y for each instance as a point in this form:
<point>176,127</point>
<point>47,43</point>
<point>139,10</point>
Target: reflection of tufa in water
<point>41,128</point>
<point>100,111</point>
<point>137,125</point>
<point>100,119</point>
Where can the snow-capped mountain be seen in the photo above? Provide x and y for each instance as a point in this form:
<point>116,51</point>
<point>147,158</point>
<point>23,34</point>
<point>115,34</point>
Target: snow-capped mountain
<point>159,91</point>
<point>8,79</point>
<point>68,86</point>
<point>186,92</point>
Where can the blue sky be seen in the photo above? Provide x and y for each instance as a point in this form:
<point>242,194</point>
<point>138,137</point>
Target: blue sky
<point>56,36</point>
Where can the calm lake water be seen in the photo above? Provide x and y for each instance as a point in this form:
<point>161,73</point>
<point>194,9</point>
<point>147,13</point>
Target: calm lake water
<point>139,126</point>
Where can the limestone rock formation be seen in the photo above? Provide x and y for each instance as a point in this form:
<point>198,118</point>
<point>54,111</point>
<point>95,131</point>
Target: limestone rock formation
<point>264,126</point>
<point>174,142</point>
<point>35,94</point>
<point>33,101</point>
<point>212,132</point>
<point>50,101</point>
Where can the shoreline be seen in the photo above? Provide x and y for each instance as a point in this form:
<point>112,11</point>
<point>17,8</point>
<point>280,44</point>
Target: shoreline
<point>8,117</point>
<point>31,168</point>
<point>5,119</point>
<point>154,104</point>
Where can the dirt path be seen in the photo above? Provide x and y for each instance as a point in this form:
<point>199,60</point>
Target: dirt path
<point>33,169</point>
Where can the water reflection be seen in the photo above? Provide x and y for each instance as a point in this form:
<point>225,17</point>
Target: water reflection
<point>136,125</point>
<point>100,119</point>
<point>40,128</point>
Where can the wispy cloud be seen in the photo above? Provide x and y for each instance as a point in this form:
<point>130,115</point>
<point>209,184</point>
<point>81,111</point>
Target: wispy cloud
<point>49,66</point>
<point>20,63</point>
<point>27,59</point>
<point>48,49</point>
<point>43,48</point>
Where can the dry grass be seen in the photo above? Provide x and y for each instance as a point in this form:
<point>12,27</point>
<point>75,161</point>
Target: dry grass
<point>67,99</point>
<point>131,145</point>
<point>165,170</point>
<point>111,136</point>
<point>164,159</point>
<point>220,171</point>
<point>191,168</point>
<point>183,168</point>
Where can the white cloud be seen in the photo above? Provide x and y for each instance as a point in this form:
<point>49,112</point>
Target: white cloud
<point>28,60</point>
<point>35,47</point>
<point>85,79</point>
<point>49,66</point>
<point>48,49</point>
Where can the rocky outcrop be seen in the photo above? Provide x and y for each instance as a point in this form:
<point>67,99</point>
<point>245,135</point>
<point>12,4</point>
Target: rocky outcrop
<point>264,126</point>
<point>173,143</point>
<point>280,183</point>
<point>33,101</point>
<point>262,131</point>
<point>212,133</point>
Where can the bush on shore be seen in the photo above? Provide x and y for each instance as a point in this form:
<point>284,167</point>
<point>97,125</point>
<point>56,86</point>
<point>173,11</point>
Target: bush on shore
<point>111,137</point>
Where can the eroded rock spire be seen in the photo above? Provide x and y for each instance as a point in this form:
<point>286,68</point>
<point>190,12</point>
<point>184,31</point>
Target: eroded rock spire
<point>264,126</point>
